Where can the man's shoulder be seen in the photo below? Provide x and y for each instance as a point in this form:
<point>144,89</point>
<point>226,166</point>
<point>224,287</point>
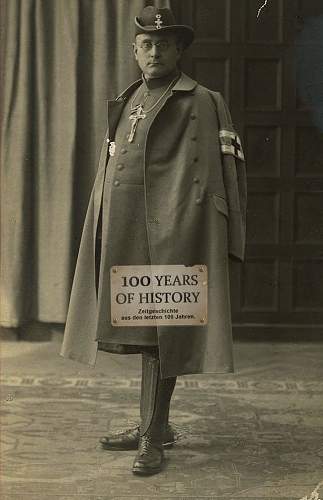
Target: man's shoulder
<point>218,100</point>
<point>215,95</point>
<point>186,83</point>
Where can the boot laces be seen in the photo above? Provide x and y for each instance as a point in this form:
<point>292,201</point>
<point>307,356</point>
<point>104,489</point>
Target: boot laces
<point>145,444</point>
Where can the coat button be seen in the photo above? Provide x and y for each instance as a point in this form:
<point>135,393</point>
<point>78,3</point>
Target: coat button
<point>116,183</point>
<point>198,201</point>
<point>196,180</point>
<point>196,159</point>
<point>193,116</point>
<point>123,151</point>
<point>194,138</point>
<point>120,166</point>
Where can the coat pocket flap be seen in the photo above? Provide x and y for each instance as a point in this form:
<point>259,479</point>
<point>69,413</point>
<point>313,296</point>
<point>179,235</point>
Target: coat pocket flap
<point>221,204</point>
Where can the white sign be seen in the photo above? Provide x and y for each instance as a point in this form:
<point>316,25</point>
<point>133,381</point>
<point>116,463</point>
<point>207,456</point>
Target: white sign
<point>158,295</point>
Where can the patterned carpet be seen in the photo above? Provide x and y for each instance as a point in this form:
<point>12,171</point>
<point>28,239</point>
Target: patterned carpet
<point>240,437</point>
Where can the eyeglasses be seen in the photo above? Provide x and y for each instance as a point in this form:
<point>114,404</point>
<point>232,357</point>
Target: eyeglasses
<point>162,45</point>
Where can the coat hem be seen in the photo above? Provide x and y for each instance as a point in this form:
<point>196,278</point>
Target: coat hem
<point>79,360</point>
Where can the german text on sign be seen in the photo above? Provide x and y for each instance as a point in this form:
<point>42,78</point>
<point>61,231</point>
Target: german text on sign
<point>158,295</point>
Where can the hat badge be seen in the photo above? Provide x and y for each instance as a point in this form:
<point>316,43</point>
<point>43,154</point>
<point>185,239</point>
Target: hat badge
<point>158,21</point>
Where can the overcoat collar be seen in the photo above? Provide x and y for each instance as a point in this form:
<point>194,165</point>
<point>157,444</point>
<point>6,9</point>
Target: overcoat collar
<point>183,84</point>
<point>115,107</point>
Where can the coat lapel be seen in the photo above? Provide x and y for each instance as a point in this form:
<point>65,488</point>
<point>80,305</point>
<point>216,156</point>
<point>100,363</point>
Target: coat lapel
<point>114,113</point>
<point>115,108</point>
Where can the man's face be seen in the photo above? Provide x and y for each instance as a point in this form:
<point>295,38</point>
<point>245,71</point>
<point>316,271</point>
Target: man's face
<point>157,55</point>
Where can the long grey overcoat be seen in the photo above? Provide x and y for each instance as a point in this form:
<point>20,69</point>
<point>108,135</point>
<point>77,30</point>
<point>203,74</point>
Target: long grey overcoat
<point>195,204</point>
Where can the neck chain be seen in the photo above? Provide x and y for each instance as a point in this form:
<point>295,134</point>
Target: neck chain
<point>133,108</point>
<point>139,113</point>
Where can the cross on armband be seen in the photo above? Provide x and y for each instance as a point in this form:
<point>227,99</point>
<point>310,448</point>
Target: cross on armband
<point>231,144</point>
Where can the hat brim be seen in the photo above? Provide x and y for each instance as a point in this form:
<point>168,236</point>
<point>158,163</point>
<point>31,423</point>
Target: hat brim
<point>186,33</point>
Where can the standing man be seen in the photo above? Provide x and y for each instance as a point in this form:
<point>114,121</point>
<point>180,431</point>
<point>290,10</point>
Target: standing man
<point>170,189</point>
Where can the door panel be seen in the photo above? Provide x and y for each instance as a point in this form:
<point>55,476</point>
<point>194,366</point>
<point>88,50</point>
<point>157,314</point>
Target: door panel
<point>257,64</point>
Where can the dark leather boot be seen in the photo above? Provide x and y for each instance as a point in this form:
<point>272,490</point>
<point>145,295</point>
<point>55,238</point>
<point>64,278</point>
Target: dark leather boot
<point>150,457</point>
<point>156,394</point>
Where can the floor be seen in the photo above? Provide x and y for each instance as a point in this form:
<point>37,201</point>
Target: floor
<point>256,434</point>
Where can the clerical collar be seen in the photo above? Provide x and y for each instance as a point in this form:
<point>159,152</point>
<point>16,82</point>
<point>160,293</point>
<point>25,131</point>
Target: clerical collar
<point>155,83</point>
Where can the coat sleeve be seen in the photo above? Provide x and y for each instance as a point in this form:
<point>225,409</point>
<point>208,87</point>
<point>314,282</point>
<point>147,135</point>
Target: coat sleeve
<point>234,175</point>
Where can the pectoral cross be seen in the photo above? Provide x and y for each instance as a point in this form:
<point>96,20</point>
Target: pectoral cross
<point>135,116</point>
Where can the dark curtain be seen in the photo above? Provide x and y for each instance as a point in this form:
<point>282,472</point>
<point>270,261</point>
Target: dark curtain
<point>61,60</point>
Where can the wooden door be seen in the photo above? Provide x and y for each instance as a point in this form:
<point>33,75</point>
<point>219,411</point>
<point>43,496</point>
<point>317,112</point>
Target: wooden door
<point>254,61</point>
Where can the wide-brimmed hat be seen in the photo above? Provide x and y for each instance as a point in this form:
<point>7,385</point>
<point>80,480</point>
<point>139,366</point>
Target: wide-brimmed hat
<point>155,20</point>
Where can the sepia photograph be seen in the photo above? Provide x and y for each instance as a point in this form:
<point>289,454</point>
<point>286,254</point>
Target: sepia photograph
<point>161,259</point>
